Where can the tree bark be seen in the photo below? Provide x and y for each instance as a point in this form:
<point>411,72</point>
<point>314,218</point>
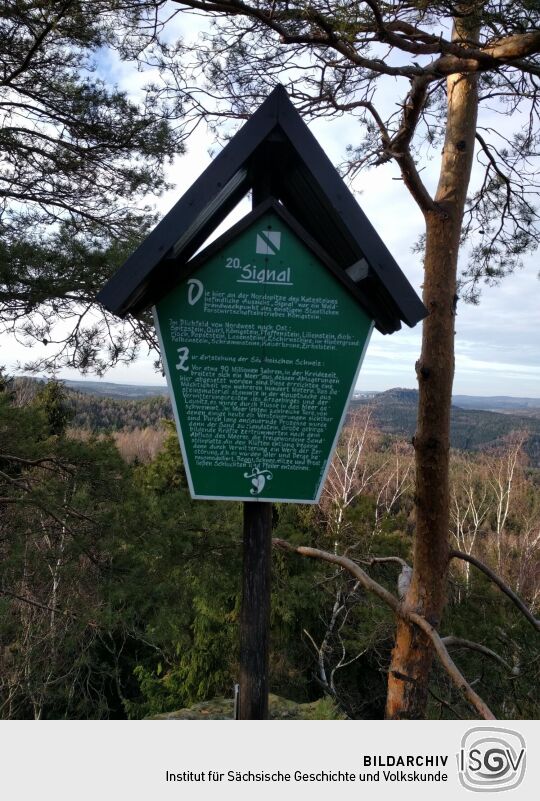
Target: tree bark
<point>413,653</point>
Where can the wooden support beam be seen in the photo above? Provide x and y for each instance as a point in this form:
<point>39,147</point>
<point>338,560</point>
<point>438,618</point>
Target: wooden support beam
<point>255,613</point>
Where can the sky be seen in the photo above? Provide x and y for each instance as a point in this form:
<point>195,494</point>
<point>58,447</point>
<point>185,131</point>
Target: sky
<point>497,342</point>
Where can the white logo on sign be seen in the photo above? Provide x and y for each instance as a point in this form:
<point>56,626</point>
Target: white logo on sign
<point>258,479</point>
<point>268,242</point>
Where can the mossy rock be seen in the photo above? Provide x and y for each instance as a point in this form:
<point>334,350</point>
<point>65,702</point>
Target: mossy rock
<point>278,709</point>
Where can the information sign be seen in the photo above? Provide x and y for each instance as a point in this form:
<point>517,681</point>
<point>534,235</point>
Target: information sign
<point>262,345</point>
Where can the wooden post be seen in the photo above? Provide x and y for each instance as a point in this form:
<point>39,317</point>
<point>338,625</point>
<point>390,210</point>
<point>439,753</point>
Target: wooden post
<point>255,613</point>
<point>256,572</point>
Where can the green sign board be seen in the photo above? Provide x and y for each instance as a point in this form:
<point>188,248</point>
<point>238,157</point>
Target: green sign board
<point>262,345</point>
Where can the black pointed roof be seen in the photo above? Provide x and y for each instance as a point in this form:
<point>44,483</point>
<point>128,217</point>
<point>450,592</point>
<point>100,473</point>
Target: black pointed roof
<point>274,152</point>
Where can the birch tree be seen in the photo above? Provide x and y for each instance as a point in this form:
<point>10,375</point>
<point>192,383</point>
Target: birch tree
<point>470,505</point>
<point>350,474</point>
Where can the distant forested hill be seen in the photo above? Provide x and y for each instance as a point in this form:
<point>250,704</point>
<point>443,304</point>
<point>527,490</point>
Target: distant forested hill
<point>394,412</point>
<point>118,391</point>
<point>497,403</point>
<point>99,413</point>
<point>104,407</point>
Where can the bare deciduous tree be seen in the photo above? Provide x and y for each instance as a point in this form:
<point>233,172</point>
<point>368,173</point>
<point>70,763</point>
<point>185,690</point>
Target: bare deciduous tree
<point>350,473</point>
<point>470,507</point>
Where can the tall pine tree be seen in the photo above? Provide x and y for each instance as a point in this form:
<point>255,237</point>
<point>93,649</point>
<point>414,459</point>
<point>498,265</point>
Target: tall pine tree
<point>447,68</point>
<point>77,156</point>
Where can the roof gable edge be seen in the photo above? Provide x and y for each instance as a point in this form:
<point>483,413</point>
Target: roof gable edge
<point>193,202</point>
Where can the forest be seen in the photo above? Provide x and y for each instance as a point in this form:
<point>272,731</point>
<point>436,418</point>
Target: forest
<point>394,413</point>
<point>412,589</point>
<point>120,596</point>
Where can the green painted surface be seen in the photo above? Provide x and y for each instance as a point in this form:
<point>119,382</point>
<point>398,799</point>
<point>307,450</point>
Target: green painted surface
<point>262,345</point>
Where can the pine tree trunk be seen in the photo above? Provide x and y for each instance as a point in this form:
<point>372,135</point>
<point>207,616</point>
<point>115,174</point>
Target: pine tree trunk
<point>412,654</point>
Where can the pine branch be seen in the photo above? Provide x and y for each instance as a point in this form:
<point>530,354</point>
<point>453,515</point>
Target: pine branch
<point>38,42</point>
<point>500,584</point>
<point>459,642</point>
<point>374,560</point>
<point>43,463</point>
<point>38,605</point>
<point>400,611</point>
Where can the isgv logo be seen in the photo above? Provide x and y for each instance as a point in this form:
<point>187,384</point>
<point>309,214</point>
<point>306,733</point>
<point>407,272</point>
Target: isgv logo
<point>491,759</point>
